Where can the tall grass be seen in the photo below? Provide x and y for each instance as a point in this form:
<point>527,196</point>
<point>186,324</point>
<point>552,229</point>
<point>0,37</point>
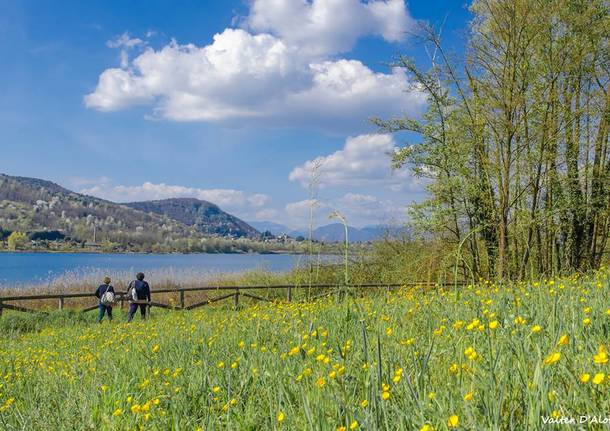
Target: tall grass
<point>498,357</point>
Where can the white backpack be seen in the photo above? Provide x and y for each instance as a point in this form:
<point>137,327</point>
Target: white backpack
<point>133,294</point>
<point>108,297</point>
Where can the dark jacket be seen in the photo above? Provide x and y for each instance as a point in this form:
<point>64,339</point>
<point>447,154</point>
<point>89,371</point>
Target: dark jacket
<point>142,289</point>
<point>102,290</point>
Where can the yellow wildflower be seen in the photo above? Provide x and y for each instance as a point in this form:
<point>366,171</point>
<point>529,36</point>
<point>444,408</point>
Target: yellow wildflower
<point>598,379</point>
<point>471,353</point>
<point>453,421</point>
<point>552,358</point>
<point>601,357</point>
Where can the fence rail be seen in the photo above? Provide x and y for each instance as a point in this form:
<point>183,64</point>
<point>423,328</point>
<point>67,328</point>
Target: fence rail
<point>236,292</point>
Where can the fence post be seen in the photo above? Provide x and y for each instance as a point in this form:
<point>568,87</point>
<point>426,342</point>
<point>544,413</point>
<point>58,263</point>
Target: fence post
<point>236,299</point>
<point>61,303</point>
<point>290,293</point>
<point>182,299</point>
<point>1,308</point>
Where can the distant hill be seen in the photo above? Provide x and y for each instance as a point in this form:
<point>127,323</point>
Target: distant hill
<point>206,217</point>
<point>33,205</point>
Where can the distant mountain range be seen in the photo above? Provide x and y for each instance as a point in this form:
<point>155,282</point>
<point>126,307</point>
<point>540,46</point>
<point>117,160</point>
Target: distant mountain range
<point>47,211</point>
<point>32,205</point>
<point>334,232</point>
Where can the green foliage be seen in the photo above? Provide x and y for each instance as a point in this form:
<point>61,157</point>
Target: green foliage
<point>17,240</point>
<point>13,324</point>
<point>515,141</point>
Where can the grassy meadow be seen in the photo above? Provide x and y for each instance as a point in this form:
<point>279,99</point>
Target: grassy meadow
<point>484,356</point>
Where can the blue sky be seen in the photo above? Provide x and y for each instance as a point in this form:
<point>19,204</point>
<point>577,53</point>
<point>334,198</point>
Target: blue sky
<point>227,101</point>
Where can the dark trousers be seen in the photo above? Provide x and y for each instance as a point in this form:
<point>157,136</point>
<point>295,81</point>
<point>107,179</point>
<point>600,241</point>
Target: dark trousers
<point>104,309</point>
<point>132,311</point>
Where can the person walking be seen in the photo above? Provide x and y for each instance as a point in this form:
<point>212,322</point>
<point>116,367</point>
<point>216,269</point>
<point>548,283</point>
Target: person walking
<point>105,295</point>
<point>139,290</point>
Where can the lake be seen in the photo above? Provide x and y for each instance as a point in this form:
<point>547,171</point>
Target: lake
<point>38,268</point>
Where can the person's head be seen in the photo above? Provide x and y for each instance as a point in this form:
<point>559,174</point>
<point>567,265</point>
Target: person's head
<point>140,276</point>
<point>107,280</point>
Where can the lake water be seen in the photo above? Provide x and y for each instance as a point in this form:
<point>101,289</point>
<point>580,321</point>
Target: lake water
<point>38,268</point>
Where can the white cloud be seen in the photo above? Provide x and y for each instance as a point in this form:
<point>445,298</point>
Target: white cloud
<point>359,209</point>
<point>266,214</point>
<point>297,214</point>
<point>359,199</point>
<point>369,208</point>
<point>125,43</point>
<point>365,160</point>
<point>227,199</point>
<point>323,27</point>
<point>269,79</point>
<point>302,208</point>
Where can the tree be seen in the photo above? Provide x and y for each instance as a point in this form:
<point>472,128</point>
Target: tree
<point>17,240</point>
<point>515,139</point>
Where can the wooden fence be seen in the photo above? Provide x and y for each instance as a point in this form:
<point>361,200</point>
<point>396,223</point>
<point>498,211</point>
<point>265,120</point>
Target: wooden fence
<point>235,293</point>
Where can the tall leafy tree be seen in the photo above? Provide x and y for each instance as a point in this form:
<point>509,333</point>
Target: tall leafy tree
<point>515,139</point>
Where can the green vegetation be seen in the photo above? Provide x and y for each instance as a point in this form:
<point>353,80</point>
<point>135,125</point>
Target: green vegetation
<point>516,156</point>
<point>16,240</point>
<point>515,140</point>
<point>485,357</point>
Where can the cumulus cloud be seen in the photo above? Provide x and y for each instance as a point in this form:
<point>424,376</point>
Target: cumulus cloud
<point>297,213</point>
<point>302,208</point>
<point>364,160</point>
<point>367,207</point>
<point>273,77</point>
<point>266,214</point>
<point>323,27</point>
<point>227,199</point>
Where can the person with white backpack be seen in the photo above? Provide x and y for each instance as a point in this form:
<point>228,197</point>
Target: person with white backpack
<point>105,293</point>
<point>139,295</point>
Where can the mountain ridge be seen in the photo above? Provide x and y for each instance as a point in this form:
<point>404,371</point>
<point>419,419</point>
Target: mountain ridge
<point>206,216</point>
<point>33,205</point>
